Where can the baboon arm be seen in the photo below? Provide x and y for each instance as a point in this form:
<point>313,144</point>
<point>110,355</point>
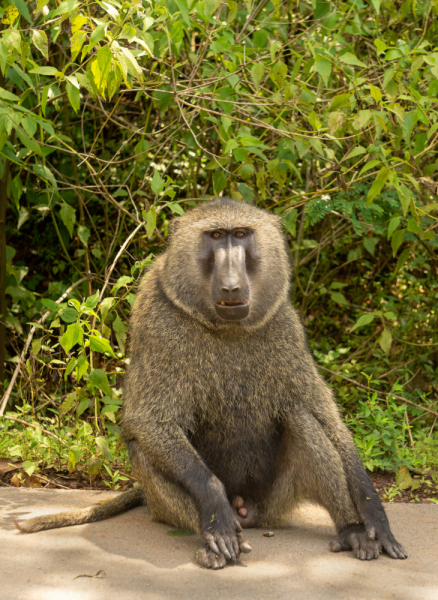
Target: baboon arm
<point>364,496</point>
<point>169,449</point>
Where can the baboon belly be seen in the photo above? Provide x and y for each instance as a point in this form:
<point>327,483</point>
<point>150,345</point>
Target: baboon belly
<point>243,460</point>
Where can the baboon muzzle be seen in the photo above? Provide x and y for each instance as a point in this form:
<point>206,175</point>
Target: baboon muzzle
<point>230,287</point>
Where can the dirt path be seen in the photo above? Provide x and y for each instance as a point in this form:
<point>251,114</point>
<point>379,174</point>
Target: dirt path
<point>136,559</point>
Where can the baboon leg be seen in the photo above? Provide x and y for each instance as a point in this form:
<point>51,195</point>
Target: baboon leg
<point>309,467</point>
<point>168,501</point>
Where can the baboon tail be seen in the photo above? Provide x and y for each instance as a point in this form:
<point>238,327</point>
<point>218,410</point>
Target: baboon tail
<point>96,512</point>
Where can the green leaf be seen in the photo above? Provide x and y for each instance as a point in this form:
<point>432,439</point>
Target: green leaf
<point>97,36</point>
<point>36,345</point>
<point>73,335</point>
<point>81,367</point>
<point>211,6</point>
<point>278,74</point>
<point>175,208</point>
<point>290,222</point>
<point>257,73</point>
<point>39,39</point>
<point>73,96</point>
<point>48,71</point>
<point>68,314</point>
<point>102,444</point>
<point>92,301</point>
<point>369,165</point>
<point>219,182</point>
<point>397,240</point>
<point>68,216</point>
<point>378,184</point>
<point>324,68</point>
<point>29,143</point>
<point>405,197</point>
<point>376,5</point>
<point>232,11</point>
<point>43,171</point>
<point>122,282</point>
<point>120,331</point>
<point>5,95</point>
<point>99,379</point>
<point>402,259</point>
<point>182,5</point>
<point>385,341</point>
<point>351,59</point>
<point>106,305</point>
<point>340,101</point>
<point>100,344</point>
<point>65,7</point>
<point>157,183</point>
<point>369,243</point>
<point>151,222</point>
<point>23,9</point>
<point>68,403</point>
<point>322,8</point>
<point>101,68</point>
<point>339,298</point>
<point>375,93</point>
<point>23,216</point>
<point>362,321</point>
<point>393,224</point>
<point>83,234</point>
<point>83,405</point>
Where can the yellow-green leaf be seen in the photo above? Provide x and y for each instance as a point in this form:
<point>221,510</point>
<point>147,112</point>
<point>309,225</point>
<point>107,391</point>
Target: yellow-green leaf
<point>39,39</point>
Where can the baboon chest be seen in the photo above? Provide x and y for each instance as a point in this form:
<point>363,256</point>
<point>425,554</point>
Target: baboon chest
<point>236,424</point>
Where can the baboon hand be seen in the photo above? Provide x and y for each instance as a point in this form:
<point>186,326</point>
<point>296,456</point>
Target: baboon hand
<point>223,535</point>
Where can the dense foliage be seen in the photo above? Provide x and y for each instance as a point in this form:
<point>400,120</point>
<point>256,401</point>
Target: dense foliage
<point>115,116</point>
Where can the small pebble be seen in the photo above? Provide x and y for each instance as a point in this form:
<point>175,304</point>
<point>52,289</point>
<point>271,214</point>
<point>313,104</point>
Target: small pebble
<point>269,534</point>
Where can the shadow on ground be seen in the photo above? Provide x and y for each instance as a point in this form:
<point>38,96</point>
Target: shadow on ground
<point>140,560</point>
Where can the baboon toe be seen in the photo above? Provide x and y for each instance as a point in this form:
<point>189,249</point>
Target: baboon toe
<point>210,560</point>
<point>358,541</point>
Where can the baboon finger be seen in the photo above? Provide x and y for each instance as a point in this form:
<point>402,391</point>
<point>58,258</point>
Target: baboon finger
<point>223,548</point>
<point>245,546</point>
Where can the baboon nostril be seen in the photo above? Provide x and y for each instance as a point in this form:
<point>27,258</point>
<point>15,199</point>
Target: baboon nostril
<point>230,288</point>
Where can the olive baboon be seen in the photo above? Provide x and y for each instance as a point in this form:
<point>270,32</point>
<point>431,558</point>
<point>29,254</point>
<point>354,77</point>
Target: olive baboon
<point>227,420</point>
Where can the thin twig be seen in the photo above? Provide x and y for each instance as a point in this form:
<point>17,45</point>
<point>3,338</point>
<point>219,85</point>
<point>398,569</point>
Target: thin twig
<point>28,342</point>
<point>111,269</point>
<point>8,418</point>
<point>370,389</point>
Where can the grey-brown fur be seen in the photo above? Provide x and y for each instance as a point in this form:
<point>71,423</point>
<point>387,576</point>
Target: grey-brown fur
<point>216,409</point>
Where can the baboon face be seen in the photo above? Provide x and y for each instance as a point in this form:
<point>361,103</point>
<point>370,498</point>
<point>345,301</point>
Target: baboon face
<point>227,262</point>
<point>229,258</point>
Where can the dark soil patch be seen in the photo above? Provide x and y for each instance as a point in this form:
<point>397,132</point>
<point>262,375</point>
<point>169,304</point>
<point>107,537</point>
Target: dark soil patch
<point>425,489</point>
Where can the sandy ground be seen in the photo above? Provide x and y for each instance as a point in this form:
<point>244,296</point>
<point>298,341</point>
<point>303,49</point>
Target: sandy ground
<point>138,559</point>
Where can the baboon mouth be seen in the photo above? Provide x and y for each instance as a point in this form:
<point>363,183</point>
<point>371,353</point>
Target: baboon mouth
<point>231,303</point>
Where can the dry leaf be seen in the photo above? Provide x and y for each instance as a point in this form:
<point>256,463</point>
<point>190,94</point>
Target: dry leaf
<point>15,481</point>
<point>7,465</point>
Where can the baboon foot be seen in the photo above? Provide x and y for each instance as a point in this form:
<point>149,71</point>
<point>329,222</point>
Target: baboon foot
<point>354,537</point>
<point>245,513</point>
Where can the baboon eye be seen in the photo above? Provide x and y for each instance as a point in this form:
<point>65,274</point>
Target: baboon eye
<point>216,235</point>
<point>240,234</point>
